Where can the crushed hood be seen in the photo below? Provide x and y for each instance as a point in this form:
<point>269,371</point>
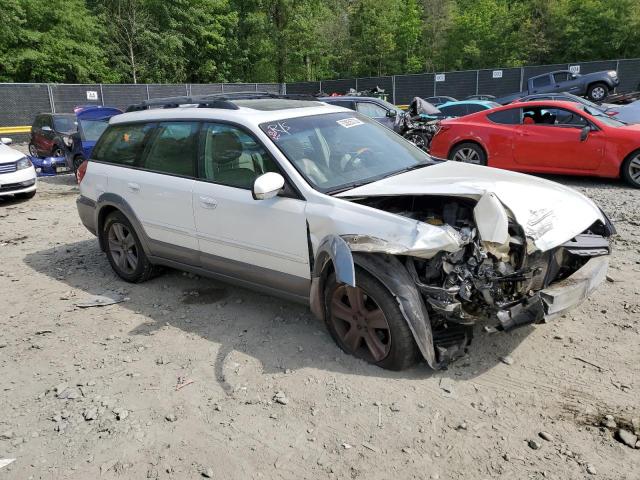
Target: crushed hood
<point>550,213</point>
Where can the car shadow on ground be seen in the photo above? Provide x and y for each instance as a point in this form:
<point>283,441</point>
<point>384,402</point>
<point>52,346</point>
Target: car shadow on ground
<point>281,335</point>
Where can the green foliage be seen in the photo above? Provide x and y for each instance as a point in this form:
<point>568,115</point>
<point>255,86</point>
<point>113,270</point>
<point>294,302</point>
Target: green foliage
<point>288,40</point>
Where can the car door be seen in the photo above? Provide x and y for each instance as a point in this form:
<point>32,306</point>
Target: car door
<point>542,84</point>
<point>375,111</point>
<point>45,136</point>
<point>550,138</point>
<point>566,81</point>
<point>263,242</point>
<point>157,181</point>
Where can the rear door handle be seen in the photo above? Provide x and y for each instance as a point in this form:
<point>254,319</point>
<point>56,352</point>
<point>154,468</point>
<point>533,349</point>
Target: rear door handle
<point>208,202</point>
<point>134,187</point>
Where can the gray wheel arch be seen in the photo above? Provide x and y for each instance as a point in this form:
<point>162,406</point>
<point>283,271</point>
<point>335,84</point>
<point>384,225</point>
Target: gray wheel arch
<point>111,202</point>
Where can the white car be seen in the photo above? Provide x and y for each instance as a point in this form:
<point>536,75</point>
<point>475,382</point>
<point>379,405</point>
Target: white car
<point>400,254</point>
<point>17,175</point>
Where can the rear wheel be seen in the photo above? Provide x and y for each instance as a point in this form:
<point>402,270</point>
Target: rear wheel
<point>365,321</point>
<point>631,169</point>
<point>468,153</point>
<point>33,151</point>
<point>597,92</point>
<point>124,250</point>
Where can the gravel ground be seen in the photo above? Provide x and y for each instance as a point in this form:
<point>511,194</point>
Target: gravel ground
<point>190,378</point>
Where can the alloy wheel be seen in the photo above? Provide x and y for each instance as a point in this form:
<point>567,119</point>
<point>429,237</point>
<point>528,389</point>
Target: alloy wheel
<point>123,248</point>
<point>634,169</point>
<point>598,93</point>
<point>360,323</point>
<point>467,155</point>
<point>32,150</point>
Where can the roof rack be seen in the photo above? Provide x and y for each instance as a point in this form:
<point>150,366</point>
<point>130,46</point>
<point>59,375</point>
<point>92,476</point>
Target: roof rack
<point>215,100</point>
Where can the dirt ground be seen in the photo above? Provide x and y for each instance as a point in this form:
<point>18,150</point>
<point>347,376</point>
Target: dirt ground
<point>93,392</point>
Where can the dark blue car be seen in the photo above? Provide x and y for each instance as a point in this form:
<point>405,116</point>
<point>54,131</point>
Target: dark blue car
<point>92,121</point>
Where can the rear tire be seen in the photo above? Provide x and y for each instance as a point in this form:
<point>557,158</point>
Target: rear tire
<point>124,250</point>
<point>630,169</point>
<point>376,329</point>
<point>597,92</point>
<point>468,152</point>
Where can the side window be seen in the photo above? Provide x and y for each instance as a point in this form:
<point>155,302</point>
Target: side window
<point>232,157</point>
<point>371,110</point>
<point>174,149</point>
<point>543,81</point>
<point>123,144</point>
<point>472,108</point>
<point>551,116</point>
<point>506,117</point>
<point>454,110</point>
<point>561,77</point>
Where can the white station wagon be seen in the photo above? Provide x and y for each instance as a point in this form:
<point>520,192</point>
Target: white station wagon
<point>399,253</point>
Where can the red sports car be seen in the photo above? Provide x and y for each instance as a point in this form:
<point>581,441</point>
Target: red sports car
<point>544,137</point>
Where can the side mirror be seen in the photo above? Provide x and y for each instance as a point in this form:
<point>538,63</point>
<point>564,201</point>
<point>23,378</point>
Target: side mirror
<point>6,141</point>
<point>392,113</point>
<point>267,186</point>
<point>46,128</point>
<point>584,133</point>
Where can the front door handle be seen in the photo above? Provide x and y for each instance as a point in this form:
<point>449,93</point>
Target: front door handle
<point>134,187</point>
<point>208,202</point>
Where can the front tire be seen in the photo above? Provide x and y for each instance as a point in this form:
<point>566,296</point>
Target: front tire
<point>468,153</point>
<point>419,139</point>
<point>57,151</point>
<point>124,250</point>
<point>33,151</point>
<point>631,169</point>
<point>597,92</point>
<point>25,195</point>
<point>366,322</point>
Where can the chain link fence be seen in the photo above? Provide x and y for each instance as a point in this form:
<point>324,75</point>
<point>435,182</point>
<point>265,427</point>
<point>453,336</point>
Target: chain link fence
<point>461,84</point>
<point>21,102</point>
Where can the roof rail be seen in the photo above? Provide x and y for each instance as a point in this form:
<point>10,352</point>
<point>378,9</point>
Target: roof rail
<point>215,100</point>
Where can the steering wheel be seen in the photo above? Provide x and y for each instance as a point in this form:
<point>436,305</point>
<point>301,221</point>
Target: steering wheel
<point>358,157</point>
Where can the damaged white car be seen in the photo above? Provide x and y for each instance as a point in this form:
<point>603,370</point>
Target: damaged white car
<point>400,254</point>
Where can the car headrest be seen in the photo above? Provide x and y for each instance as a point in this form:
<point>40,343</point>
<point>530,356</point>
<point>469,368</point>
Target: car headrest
<point>226,147</point>
<point>528,121</point>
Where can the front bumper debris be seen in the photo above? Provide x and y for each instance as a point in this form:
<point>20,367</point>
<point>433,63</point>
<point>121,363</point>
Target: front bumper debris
<point>557,298</point>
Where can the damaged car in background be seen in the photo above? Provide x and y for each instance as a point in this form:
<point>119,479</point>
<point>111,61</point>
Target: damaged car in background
<point>401,255</point>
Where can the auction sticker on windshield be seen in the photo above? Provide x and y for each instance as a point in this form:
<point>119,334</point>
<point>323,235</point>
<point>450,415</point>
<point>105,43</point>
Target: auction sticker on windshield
<point>349,122</point>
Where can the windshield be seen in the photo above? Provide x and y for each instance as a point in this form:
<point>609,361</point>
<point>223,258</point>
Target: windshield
<point>66,123</point>
<point>92,129</point>
<point>604,118</point>
<point>337,151</point>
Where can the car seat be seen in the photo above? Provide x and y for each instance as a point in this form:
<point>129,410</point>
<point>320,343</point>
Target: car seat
<point>225,152</point>
<point>294,149</point>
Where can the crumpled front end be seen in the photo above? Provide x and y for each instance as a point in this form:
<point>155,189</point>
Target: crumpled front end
<point>493,270</point>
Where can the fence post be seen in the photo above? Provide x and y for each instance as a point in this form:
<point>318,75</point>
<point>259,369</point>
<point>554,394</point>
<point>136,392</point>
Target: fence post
<point>283,88</point>
<point>101,95</point>
<point>521,77</point>
<point>52,103</point>
<point>434,85</point>
<point>147,85</point>
<point>356,84</point>
<point>320,85</point>
<point>477,81</point>
<point>393,89</point>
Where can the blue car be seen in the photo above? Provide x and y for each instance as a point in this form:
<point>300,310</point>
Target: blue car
<point>465,107</point>
<point>92,121</point>
<point>49,166</point>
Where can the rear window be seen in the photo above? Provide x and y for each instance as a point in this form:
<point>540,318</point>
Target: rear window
<point>506,117</point>
<point>174,149</point>
<point>123,144</point>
